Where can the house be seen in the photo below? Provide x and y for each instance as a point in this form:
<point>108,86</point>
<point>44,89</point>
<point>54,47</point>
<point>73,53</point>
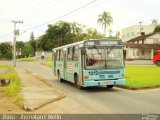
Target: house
<point>142,47</point>
<point>136,30</point>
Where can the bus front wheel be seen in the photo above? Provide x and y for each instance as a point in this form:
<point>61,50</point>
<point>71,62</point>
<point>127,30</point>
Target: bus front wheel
<point>76,82</point>
<point>110,86</point>
<point>158,63</point>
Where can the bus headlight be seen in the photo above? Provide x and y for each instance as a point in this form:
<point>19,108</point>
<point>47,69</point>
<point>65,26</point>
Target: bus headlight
<point>121,75</point>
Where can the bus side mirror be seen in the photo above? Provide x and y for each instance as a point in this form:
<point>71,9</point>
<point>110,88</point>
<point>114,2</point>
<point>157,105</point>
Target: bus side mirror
<point>83,51</point>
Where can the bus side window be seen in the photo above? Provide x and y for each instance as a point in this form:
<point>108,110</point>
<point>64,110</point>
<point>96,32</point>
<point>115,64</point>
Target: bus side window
<point>61,55</point>
<point>69,54</point>
<point>75,53</point>
<point>57,54</point>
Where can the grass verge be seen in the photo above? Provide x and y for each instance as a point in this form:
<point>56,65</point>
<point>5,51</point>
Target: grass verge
<point>139,77</point>
<point>13,89</point>
<point>27,59</point>
<point>48,64</point>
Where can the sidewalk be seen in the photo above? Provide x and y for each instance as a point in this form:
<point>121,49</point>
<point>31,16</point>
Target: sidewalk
<point>36,91</point>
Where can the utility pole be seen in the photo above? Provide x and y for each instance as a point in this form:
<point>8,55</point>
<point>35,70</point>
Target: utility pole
<point>15,33</point>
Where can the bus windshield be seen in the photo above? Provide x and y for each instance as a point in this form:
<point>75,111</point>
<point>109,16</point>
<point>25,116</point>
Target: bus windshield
<point>104,57</point>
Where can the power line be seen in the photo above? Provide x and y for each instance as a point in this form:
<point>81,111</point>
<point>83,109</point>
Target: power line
<point>64,15</point>
<point>49,5</point>
<point>73,11</point>
<point>41,9</point>
<point>91,7</point>
<point>6,35</point>
<point>32,8</point>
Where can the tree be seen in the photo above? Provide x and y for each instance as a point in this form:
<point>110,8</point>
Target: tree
<point>62,33</point>
<point>110,32</point>
<point>19,46</point>
<point>118,34</point>
<point>105,20</point>
<point>33,42</point>
<point>157,28</point>
<point>92,34</point>
<point>32,36</point>
<point>154,21</point>
<point>77,31</point>
<point>6,51</point>
<point>27,50</point>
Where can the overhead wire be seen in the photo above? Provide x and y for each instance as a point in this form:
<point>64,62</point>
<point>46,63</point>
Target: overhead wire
<point>32,8</point>
<point>42,10</point>
<point>91,7</point>
<point>26,12</point>
<point>73,11</point>
<point>7,34</point>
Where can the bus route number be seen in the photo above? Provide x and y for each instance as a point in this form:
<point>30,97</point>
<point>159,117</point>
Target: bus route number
<point>93,72</point>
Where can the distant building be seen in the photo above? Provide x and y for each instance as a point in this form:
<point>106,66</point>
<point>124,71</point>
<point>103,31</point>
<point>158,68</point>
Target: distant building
<point>136,30</point>
<point>142,47</point>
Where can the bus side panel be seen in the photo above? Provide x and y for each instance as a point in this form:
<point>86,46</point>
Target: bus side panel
<point>73,67</point>
<point>70,70</point>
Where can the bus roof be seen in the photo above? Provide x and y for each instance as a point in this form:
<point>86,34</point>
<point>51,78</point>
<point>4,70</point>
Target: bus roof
<point>72,44</point>
<point>81,43</point>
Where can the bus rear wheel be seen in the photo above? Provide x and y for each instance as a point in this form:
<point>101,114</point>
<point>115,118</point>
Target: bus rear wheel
<point>59,77</point>
<point>158,63</point>
<point>110,86</point>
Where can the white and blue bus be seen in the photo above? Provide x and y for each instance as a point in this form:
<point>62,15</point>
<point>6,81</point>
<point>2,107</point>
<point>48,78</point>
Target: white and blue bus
<point>97,62</point>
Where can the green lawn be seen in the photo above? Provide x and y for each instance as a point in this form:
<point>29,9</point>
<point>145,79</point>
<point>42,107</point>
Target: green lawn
<point>4,67</point>
<point>27,59</point>
<point>48,62</point>
<point>137,76</point>
<point>13,89</point>
<point>49,59</point>
<point>142,76</point>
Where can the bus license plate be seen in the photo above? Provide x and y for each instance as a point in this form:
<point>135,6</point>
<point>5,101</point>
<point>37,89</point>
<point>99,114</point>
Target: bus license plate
<point>107,83</point>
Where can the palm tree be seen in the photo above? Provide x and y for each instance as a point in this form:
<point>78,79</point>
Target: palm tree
<point>110,32</point>
<point>118,34</point>
<point>154,21</point>
<point>105,20</point>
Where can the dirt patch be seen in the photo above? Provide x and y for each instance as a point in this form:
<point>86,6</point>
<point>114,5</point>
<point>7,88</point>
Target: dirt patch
<point>7,105</point>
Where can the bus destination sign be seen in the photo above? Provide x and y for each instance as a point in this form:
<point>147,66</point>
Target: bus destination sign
<point>102,42</point>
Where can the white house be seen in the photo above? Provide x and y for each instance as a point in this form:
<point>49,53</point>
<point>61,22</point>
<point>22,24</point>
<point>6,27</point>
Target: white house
<point>142,47</point>
<point>136,30</point>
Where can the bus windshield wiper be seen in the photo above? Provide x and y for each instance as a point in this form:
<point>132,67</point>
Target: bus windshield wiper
<point>97,49</point>
<point>110,49</point>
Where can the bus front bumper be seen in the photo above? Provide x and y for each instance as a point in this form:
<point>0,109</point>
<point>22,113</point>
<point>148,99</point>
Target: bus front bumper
<point>88,83</point>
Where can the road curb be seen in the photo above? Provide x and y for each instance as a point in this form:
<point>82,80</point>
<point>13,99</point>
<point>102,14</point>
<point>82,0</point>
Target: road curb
<point>132,88</point>
<point>45,81</point>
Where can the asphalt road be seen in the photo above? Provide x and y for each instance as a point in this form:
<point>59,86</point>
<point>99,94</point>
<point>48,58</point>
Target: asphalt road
<point>98,99</point>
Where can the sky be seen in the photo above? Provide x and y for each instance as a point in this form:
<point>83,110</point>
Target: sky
<point>37,14</point>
